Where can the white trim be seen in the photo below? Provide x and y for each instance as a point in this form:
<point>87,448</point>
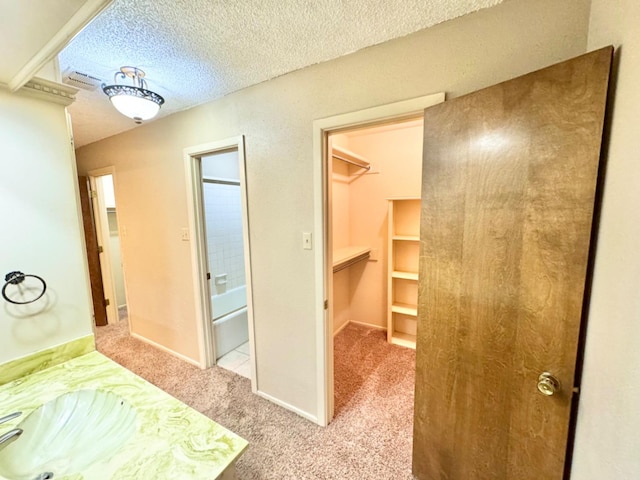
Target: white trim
<point>206,345</point>
<point>165,349</point>
<point>323,261</point>
<point>286,406</point>
<point>74,25</point>
<point>100,172</point>
<point>198,249</point>
<point>49,91</point>
<point>247,261</point>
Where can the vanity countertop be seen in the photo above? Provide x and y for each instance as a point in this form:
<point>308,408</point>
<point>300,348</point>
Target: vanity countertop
<point>172,441</point>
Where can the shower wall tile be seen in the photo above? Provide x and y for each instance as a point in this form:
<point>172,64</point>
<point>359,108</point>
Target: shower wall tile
<point>223,218</point>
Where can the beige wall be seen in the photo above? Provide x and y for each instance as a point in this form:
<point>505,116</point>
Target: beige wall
<point>276,118</point>
<point>41,231</point>
<point>608,434</point>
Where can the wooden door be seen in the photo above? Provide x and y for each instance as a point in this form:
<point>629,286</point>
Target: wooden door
<point>509,181</point>
<point>93,254</point>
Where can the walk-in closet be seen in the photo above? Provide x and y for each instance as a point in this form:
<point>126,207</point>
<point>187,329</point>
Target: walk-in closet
<point>375,218</point>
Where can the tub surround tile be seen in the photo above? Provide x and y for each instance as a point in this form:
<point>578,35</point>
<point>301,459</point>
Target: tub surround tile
<point>171,441</point>
<point>44,359</point>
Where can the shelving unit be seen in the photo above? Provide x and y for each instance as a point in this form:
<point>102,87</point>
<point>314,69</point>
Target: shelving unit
<point>402,281</point>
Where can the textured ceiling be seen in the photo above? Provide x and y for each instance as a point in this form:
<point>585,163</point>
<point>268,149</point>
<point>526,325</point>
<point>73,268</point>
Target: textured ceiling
<point>194,51</point>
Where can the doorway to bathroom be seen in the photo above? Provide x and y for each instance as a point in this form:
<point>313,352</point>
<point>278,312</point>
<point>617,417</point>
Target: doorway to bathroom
<point>220,250</point>
<point>222,208</point>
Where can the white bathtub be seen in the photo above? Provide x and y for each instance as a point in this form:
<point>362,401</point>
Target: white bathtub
<point>230,321</point>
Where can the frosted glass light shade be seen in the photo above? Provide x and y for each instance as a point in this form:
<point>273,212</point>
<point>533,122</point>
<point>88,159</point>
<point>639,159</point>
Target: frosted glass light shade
<point>134,101</point>
<point>138,108</point>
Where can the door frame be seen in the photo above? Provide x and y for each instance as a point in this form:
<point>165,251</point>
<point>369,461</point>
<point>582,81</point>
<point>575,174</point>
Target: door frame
<point>197,234</point>
<point>102,234</point>
<point>323,260</point>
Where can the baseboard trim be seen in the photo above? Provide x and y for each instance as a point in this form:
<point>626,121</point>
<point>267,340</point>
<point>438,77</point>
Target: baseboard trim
<point>291,408</point>
<point>361,324</point>
<point>344,325</point>
<point>165,349</point>
<point>368,325</point>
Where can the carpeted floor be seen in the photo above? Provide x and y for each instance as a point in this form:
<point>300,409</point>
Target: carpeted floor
<point>370,437</point>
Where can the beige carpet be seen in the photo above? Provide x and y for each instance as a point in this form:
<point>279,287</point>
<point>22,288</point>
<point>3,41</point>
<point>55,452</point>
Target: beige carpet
<point>370,437</point>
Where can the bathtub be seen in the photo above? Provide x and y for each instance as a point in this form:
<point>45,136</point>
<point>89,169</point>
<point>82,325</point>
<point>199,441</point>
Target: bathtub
<point>230,321</point>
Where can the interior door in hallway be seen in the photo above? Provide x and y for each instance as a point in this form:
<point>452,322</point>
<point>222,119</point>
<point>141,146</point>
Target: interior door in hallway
<point>93,253</point>
<point>509,180</point>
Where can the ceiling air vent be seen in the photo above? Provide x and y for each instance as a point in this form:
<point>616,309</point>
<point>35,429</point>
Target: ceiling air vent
<point>80,80</point>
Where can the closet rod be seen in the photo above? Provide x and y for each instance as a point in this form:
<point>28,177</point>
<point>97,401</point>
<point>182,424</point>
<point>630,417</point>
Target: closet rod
<point>349,157</point>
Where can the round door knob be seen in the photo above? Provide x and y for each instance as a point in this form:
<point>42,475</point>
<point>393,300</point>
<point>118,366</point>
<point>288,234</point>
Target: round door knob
<point>548,384</point>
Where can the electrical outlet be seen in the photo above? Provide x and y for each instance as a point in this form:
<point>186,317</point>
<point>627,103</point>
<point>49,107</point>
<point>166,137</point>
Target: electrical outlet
<point>185,234</point>
<point>306,241</point>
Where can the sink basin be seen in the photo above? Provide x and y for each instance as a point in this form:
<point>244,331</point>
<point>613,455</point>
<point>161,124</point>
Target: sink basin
<point>67,434</point>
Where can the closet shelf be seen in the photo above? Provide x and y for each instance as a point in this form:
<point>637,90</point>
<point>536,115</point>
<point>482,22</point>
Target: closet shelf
<point>404,275</point>
<point>404,339</point>
<point>405,309</point>
<point>347,156</point>
<point>347,256</point>
<point>407,238</point>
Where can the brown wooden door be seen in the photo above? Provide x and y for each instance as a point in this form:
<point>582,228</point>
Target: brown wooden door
<point>509,180</point>
<point>93,254</point>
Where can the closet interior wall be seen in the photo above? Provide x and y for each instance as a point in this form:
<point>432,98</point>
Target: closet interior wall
<point>359,213</point>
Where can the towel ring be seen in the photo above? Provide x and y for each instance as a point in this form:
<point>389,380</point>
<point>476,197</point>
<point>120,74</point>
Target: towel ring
<point>16,278</point>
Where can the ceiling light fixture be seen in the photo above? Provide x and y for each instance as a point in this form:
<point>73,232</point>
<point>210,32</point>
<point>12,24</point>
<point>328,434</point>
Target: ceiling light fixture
<point>133,101</point>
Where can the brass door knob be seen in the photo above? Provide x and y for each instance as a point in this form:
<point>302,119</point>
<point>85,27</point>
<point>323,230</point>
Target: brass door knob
<point>548,384</point>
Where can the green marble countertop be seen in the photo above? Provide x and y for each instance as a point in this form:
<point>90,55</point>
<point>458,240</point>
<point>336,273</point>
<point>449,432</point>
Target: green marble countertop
<point>172,441</point>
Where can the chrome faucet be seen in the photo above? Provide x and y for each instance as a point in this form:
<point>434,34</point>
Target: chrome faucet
<point>11,435</point>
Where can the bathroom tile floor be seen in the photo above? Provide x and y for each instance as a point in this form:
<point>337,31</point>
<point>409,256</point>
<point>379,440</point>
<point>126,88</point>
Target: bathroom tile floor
<point>237,361</point>
<point>244,348</point>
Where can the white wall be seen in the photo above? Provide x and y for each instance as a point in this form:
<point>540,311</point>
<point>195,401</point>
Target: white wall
<point>276,117</point>
<point>41,229</point>
<point>608,433</point>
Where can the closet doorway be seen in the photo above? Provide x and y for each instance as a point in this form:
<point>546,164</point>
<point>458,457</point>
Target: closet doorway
<point>367,158</point>
<point>375,193</point>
